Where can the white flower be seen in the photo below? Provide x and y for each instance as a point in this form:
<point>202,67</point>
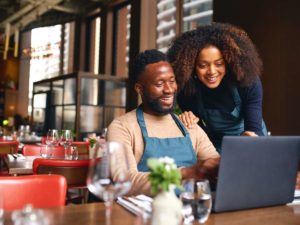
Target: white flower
<point>168,167</point>
<point>166,160</point>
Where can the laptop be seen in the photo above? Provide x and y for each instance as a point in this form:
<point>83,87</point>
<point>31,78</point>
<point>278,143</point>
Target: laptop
<point>256,172</point>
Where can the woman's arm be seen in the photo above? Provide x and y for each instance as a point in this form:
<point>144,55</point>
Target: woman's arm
<point>252,108</point>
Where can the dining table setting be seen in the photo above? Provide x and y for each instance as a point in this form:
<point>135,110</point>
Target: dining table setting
<point>118,206</point>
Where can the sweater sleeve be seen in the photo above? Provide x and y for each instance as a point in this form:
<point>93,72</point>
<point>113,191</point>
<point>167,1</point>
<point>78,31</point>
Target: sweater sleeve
<point>118,131</point>
<point>252,107</point>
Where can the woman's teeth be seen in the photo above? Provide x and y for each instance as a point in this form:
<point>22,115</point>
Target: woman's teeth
<point>212,79</point>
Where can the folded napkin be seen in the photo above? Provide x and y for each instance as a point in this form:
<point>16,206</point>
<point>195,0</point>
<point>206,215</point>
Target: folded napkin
<point>15,156</point>
<point>139,205</point>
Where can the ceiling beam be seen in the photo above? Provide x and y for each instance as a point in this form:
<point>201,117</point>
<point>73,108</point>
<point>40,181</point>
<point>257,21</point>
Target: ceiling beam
<point>21,12</point>
<point>65,9</point>
<point>34,14</point>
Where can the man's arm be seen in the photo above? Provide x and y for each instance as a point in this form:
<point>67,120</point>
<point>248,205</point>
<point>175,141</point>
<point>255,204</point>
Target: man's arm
<point>120,131</point>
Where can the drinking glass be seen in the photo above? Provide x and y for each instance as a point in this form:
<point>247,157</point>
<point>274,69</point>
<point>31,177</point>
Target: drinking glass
<point>52,137</point>
<point>66,138</point>
<point>71,153</point>
<point>108,176</point>
<point>196,200</point>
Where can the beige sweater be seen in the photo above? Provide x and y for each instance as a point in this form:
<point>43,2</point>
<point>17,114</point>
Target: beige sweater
<point>126,130</point>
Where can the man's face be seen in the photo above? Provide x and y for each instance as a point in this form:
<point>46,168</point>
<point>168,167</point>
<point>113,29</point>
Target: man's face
<point>157,87</point>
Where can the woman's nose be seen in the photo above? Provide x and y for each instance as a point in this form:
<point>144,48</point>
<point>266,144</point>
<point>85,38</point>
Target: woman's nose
<point>211,69</point>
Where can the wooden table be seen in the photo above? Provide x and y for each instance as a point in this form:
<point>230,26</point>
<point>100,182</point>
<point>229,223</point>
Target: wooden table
<point>95,214</point>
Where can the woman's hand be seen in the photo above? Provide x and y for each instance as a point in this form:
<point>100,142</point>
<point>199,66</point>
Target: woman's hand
<point>298,180</point>
<point>188,119</point>
<point>249,133</point>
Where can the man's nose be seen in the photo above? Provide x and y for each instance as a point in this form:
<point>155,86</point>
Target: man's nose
<point>169,88</point>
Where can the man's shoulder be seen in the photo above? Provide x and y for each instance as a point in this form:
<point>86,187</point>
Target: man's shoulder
<point>127,118</point>
<point>196,132</point>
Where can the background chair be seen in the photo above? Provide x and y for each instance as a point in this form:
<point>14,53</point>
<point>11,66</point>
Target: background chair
<point>39,190</point>
<point>9,147</point>
<point>75,172</point>
<point>35,150</point>
<point>82,147</point>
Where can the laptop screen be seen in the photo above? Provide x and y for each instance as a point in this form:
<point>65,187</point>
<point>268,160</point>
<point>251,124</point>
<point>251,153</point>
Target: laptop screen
<point>256,172</point>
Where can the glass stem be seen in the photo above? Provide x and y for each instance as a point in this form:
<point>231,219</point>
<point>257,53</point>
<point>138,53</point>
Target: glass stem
<point>108,209</point>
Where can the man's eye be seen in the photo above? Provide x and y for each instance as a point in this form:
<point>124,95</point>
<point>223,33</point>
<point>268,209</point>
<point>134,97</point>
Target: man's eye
<point>159,84</point>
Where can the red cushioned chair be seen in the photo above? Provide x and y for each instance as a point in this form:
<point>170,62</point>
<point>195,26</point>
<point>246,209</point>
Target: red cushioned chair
<point>82,147</point>
<point>9,147</point>
<point>75,171</point>
<point>41,191</point>
<point>35,150</point>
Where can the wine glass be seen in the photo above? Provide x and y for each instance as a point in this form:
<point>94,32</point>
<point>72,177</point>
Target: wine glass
<point>66,140</point>
<point>52,138</point>
<point>196,200</point>
<point>108,176</point>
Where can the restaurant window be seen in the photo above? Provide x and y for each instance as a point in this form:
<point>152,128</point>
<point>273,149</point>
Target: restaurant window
<point>166,23</point>
<point>47,45</point>
<point>95,45</point>
<point>194,13</point>
<point>121,41</point>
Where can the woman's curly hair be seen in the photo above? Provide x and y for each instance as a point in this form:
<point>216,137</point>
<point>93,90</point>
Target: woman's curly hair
<point>243,63</point>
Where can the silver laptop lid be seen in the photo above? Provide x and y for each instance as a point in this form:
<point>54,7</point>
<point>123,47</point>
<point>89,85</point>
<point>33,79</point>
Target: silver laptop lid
<point>256,172</point>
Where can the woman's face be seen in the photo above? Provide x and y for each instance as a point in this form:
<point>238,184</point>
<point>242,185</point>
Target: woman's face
<point>210,67</point>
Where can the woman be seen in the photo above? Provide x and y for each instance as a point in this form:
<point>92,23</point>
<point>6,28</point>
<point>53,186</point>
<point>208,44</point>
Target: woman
<point>217,68</point>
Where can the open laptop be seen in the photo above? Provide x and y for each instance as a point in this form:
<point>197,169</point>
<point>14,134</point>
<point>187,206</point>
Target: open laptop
<point>256,172</point>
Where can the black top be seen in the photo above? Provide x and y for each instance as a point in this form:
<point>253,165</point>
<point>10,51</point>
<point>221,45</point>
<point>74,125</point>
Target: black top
<point>221,98</point>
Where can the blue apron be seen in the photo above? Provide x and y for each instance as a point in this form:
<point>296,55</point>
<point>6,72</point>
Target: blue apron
<point>217,123</point>
<point>179,148</point>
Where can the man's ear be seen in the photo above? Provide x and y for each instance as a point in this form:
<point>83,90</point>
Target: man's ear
<point>138,88</point>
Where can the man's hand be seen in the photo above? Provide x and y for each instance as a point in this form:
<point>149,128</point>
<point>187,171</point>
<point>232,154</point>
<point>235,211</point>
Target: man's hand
<point>207,169</point>
<point>188,119</point>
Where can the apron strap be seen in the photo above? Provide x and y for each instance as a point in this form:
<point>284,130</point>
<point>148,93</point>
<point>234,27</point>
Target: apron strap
<point>141,121</point>
<point>236,98</point>
<point>180,125</point>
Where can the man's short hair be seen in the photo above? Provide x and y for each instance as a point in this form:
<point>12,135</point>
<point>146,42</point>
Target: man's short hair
<point>145,58</point>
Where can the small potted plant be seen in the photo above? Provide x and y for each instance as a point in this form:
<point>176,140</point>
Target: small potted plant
<point>164,178</point>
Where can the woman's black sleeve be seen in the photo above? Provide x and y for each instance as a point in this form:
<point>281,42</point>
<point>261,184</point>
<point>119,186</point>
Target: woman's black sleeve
<point>252,107</point>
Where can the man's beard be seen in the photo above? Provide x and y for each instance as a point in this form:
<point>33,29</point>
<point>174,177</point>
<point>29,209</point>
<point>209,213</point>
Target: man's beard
<point>155,105</point>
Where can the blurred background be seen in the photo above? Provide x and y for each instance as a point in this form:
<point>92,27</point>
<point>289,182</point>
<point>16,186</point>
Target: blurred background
<point>64,63</point>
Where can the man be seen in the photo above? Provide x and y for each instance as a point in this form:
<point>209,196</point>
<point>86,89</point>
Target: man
<point>152,130</point>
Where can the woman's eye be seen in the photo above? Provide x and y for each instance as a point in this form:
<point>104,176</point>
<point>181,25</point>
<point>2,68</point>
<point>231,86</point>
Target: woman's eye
<point>219,64</point>
<point>202,65</point>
